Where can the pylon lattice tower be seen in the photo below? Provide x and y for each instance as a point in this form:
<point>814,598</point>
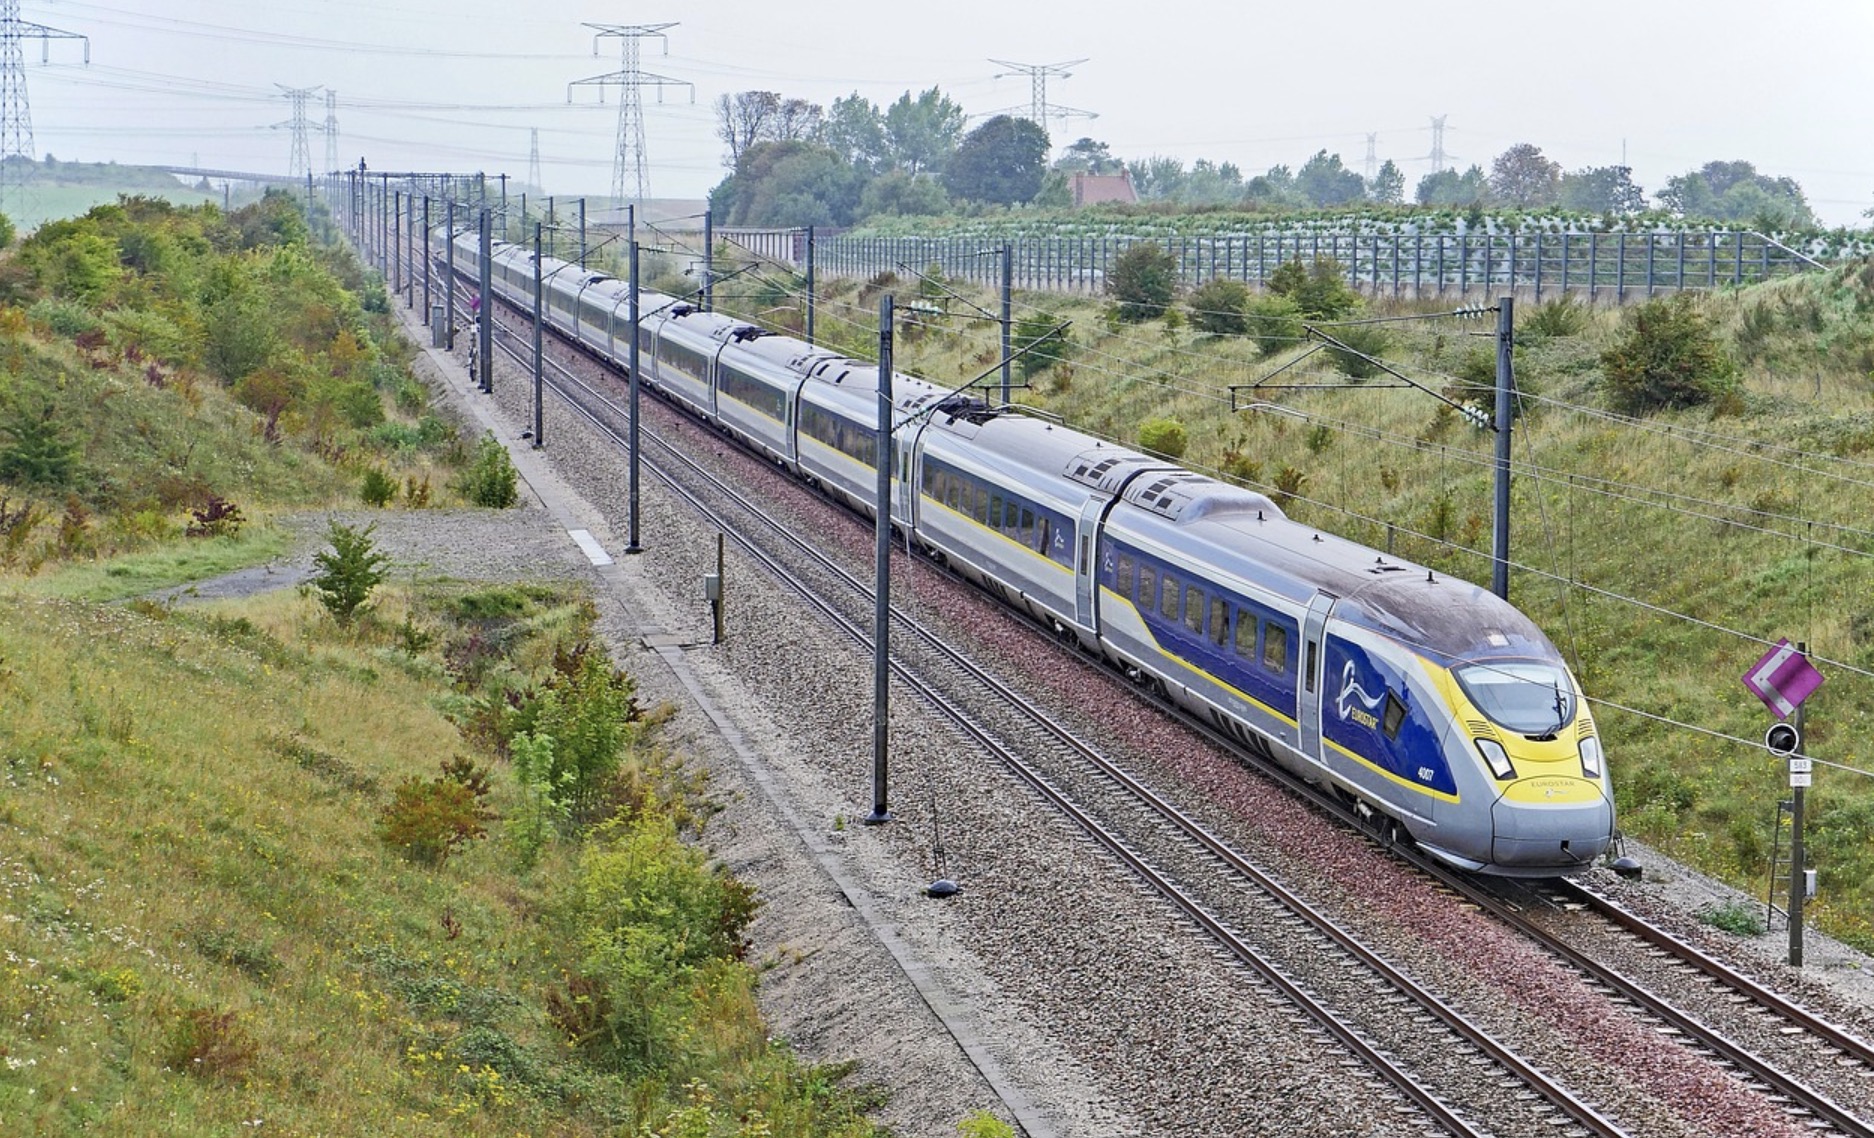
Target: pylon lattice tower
<point>1372,156</point>
<point>1040,111</point>
<point>1439,158</point>
<point>301,163</point>
<point>16,116</point>
<point>533,159</point>
<point>630,166</point>
<point>331,130</point>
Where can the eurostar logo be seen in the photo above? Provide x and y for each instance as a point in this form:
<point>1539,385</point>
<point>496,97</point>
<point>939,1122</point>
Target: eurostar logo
<point>1351,693</point>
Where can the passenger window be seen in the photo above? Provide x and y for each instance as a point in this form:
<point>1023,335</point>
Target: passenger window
<point>1219,621</point>
<point>1026,534</point>
<point>1394,717</point>
<point>1168,598</point>
<point>995,511</point>
<point>953,491</point>
<point>1041,538</point>
<point>982,503</point>
<point>1122,583</point>
<point>1275,648</point>
<point>1194,608</point>
<point>1245,635</point>
<point>1148,588</point>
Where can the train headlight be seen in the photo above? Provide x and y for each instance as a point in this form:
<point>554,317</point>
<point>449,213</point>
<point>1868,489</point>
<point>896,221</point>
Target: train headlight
<point>1591,756</point>
<point>1497,757</point>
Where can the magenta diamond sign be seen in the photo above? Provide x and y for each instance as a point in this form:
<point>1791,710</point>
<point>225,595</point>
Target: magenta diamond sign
<point>1782,679</point>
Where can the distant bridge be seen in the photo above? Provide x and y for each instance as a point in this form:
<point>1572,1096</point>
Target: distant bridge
<point>233,175</point>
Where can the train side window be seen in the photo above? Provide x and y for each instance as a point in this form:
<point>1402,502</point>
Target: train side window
<point>1219,621</point>
<point>1394,716</point>
<point>1042,533</point>
<point>1168,598</point>
<point>1275,648</point>
<point>1122,583</point>
<point>953,492</point>
<point>995,511</point>
<point>982,504</point>
<point>1194,608</point>
<point>1148,588</point>
<point>1308,669</point>
<point>1026,533</point>
<point>1245,635</point>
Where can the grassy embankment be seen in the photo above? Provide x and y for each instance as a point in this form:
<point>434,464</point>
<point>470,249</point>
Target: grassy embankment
<point>261,868</point>
<point>1749,512</point>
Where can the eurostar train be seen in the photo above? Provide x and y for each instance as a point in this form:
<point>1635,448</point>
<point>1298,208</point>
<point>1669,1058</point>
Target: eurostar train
<point>1440,711</point>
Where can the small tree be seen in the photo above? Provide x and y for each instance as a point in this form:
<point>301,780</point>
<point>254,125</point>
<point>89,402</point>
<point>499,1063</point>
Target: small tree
<point>1321,292</point>
<point>1145,281</point>
<point>1276,323</point>
<point>1220,307</point>
<point>1667,356</point>
<point>490,479</point>
<point>349,570</point>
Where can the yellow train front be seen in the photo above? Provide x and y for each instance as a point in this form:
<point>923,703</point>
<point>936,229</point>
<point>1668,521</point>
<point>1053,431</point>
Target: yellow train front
<point>1423,698</point>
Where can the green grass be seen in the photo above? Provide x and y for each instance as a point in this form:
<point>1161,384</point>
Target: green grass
<point>175,562</point>
<point>203,930</point>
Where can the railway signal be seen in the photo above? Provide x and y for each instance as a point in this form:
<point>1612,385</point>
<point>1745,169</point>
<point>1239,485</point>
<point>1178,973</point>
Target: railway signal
<point>1783,678</point>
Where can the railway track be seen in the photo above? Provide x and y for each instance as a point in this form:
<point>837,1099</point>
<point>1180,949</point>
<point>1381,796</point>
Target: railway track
<point>1218,910</point>
<point>1396,1013</point>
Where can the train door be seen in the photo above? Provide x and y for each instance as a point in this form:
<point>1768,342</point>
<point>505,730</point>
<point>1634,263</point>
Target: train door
<point>1086,570</point>
<point>1313,648</point>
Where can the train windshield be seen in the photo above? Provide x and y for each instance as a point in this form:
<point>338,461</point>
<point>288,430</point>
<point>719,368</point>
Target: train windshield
<point>1527,698</point>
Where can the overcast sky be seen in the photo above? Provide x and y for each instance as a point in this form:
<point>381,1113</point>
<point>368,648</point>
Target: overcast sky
<point>434,85</point>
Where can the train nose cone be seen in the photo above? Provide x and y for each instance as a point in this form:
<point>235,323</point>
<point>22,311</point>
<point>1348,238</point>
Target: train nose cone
<point>1551,822</point>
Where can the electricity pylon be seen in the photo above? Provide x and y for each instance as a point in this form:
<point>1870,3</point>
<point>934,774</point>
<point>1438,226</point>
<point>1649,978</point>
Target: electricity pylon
<point>331,130</point>
<point>630,166</point>
<point>16,117</point>
<point>1039,109</point>
<point>301,162</point>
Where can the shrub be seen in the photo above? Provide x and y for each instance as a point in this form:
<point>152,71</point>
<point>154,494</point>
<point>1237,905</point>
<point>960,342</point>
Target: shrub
<point>349,570</point>
<point>1364,344</point>
<point>1144,280</point>
<point>209,1045</point>
<point>1734,917</point>
<point>429,819</point>
<point>1165,437</point>
<point>1667,356</point>
<point>37,451</point>
<point>65,317</point>
<point>1220,307</point>
<point>583,716</point>
<point>1320,293</point>
<point>1276,323</point>
<point>1564,316</point>
<point>379,488</point>
<point>217,517</point>
<point>490,479</point>
<point>660,929</point>
<point>1049,342</point>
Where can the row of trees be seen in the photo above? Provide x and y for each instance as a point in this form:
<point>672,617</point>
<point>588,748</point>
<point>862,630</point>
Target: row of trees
<point>795,163</point>
<point>1520,177</point>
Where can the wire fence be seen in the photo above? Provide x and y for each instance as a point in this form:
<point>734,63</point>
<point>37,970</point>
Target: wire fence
<point>1610,266</point>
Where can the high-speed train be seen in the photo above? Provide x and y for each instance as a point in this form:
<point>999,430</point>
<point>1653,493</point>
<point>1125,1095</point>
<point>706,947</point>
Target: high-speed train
<point>1424,699</point>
